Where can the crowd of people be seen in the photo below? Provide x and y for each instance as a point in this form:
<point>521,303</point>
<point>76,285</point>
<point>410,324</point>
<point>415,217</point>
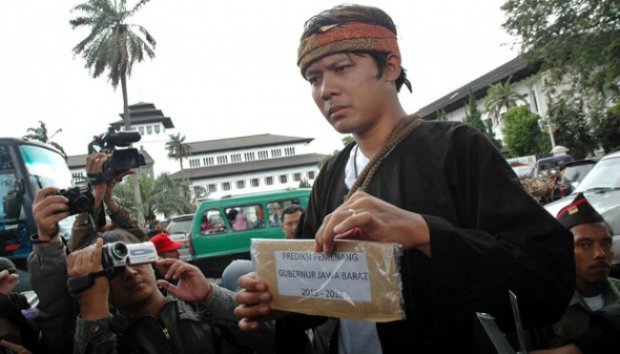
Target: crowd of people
<point>468,230</point>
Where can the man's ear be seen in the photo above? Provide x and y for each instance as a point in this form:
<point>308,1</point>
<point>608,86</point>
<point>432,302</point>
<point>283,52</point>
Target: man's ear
<point>392,67</point>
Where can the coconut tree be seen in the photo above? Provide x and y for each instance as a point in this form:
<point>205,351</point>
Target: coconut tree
<point>113,45</point>
<point>178,149</point>
<point>40,133</point>
<point>499,96</point>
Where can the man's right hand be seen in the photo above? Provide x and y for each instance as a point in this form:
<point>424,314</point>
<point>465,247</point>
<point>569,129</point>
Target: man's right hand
<point>94,300</point>
<point>48,209</point>
<point>253,300</point>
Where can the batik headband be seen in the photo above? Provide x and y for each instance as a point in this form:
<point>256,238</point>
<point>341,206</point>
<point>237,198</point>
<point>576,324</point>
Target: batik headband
<point>348,37</point>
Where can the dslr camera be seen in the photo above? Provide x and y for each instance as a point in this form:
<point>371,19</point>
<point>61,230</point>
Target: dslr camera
<point>116,255</point>
<point>122,160</point>
<point>81,200</point>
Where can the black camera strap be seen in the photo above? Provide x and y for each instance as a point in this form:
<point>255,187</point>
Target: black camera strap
<point>95,178</point>
<point>76,285</point>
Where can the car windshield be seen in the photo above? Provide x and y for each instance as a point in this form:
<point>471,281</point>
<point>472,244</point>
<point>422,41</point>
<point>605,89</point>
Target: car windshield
<point>605,175</point>
<point>576,172</point>
<point>179,226</point>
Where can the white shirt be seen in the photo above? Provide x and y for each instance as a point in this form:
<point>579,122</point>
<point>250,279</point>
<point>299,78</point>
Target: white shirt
<point>357,336</point>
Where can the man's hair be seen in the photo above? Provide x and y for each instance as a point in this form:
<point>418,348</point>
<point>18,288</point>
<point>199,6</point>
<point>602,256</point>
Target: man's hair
<point>291,209</point>
<point>357,13</point>
<point>116,235</point>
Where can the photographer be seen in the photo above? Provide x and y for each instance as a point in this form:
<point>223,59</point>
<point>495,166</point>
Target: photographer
<point>86,225</point>
<point>47,262</point>
<point>196,317</point>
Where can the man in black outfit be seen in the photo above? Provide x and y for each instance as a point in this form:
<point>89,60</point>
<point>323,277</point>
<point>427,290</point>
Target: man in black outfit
<point>440,189</point>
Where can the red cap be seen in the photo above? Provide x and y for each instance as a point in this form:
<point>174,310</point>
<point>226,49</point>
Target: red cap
<point>163,243</point>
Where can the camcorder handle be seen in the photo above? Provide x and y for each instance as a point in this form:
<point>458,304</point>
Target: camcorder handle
<point>76,285</point>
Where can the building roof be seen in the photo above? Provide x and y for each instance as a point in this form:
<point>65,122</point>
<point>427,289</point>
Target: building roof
<point>518,68</point>
<point>243,142</point>
<point>79,161</point>
<point>249,167</point>
<point>144,113</point>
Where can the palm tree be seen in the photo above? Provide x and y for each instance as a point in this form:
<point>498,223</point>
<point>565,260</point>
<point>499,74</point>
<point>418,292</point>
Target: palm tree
<point>178,149</point>
<point>499,96</point>
<point>113,45</point>
<point>40,134</point>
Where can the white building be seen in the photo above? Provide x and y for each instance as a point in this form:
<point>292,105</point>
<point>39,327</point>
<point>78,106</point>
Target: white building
<point>218,167</point>
<point>248,164</point>
<point>525,79</point>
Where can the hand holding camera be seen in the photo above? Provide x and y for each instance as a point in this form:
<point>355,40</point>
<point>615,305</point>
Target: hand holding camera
<point>86,265</point>
<point>48,208</point>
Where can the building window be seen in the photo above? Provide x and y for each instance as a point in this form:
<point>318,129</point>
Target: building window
<point>263,154</point>
<point>222,159</point>
<point>207,161</point>
<point>249,156</point>
<point>269,180</point>
<point>235,158</point>
<point>297,177</point>
<point>157,129</point>
<point>310,174</point>
<point>211,188</point>
<point>194,163</point>
<point>149,129</point>
<point>254,182</point>
<point>226,186</point>
<point>141,130</point>
<point>289,151</point>
<point>276,152</point>
<point>240,184</point>
<point>283,179</point>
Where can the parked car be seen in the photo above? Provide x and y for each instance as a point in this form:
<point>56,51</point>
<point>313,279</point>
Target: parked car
<point>601,186</point>
<point>178,228</point>
<point>550,164</point>
<point>223,228</point>
<point>572,174</point>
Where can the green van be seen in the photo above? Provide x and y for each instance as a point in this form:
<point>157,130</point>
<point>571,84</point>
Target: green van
<point>222,228</point>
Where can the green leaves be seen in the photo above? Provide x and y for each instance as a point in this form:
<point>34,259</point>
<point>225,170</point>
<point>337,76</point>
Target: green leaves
<point>579,39</point>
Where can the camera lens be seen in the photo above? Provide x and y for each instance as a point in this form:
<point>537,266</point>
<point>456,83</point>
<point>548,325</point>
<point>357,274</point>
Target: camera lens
<point>119,250</point>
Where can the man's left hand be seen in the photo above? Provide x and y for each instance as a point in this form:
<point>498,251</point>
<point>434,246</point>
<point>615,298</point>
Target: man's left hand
<point>192,285</point>
<point>364,217</point>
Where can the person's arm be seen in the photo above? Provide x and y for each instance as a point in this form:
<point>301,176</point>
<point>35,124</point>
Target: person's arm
<point>48,273</point>
<point>213,302</point>
<point>92,333</point>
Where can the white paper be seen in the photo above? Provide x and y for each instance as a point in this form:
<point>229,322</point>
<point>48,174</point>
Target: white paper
<point>341,276</point>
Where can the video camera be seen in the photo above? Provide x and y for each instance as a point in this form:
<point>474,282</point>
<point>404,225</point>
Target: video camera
<point>122,160</point>
<point>114,257</point>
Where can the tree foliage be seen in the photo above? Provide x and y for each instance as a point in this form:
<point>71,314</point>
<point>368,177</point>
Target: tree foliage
<point>473,117</point>
<point>113,45</point>
<point>501,96</point>
<point>521,133</point>
<point>159,196</point>
<point>607,130</point>
<point>178,149</point>
<point>576,37</point>
<point>573,130</point>
<point>40,133</point>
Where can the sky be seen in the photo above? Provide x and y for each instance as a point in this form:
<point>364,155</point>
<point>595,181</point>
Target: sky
<point>225,68</point>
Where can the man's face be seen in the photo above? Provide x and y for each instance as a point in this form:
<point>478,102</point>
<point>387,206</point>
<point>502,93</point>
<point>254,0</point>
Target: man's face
<point>593,253</point>
<point>348,92</point>
<point>170,254</point>
<point>133,288</point>
<point>289,223</point>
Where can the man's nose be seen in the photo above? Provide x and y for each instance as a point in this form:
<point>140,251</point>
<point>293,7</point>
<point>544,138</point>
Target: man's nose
<point>599,252</point>
<point>328,87</point>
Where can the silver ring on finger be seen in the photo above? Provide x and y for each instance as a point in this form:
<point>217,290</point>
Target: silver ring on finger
<point>352,211</point>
